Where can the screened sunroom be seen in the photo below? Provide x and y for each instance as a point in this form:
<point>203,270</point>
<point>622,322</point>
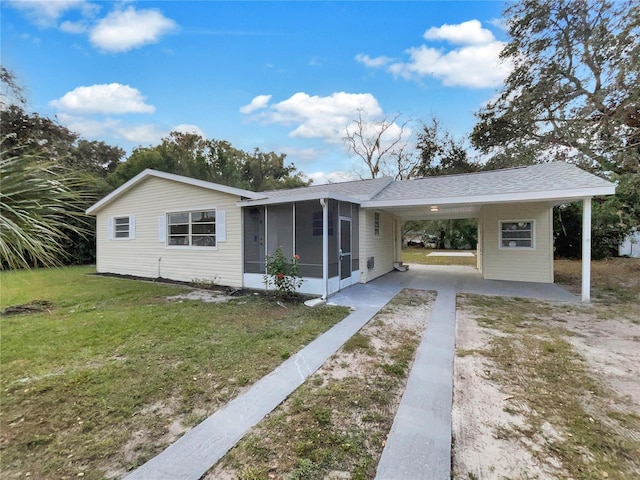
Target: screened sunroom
<point>322,232</point>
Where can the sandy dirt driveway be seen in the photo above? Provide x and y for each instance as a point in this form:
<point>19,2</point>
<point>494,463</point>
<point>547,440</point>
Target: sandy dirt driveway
<point>510,420</point>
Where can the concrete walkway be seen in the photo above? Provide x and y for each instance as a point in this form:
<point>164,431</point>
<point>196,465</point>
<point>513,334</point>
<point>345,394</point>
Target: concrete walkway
<point>200,448</point>
<point>419,444</point>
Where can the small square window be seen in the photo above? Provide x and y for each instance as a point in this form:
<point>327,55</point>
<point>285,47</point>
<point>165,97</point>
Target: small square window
<point>121,227</point>
<point>516,234</point>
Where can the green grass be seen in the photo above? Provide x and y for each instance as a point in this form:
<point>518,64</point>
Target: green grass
<point>421,256</point>
<point>92,385</point>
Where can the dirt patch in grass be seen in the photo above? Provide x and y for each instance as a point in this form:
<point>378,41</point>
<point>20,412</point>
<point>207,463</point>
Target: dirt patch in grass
<point>335,425</point>
<point>34,306</point>
<point>549,390</point>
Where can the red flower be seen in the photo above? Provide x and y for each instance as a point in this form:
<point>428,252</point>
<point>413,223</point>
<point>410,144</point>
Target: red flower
<point>281,275</point>
<point>296,257</point>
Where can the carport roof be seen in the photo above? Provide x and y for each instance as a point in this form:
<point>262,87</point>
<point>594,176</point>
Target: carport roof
<point>461,196</point>
<point>456,196</point>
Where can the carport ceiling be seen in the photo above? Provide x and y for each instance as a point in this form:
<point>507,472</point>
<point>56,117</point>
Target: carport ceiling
<point>434,212</point>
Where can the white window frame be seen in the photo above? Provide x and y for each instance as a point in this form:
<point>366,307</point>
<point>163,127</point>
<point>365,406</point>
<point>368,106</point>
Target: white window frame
<point>532,237</point>
<point>376,224</point>
<point>112,227</point>
<point>190,234</point>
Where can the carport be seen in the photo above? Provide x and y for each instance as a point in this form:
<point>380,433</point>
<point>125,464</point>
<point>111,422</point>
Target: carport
<point>514,212</point>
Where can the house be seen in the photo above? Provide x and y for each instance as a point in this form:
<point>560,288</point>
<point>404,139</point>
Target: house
<point>164,225</point>
<point>630,247</point>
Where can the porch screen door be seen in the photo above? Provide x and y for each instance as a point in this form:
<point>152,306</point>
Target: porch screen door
<point>345,252</point>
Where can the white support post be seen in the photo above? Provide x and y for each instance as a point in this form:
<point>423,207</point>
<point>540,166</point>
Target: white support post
<point>325,248</point>
<point>586,249</point>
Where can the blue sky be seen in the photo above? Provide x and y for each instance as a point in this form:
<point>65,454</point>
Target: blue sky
<point>288,77</point>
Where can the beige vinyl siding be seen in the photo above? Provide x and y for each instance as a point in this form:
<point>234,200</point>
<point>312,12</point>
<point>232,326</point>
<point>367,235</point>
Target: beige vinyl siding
<point>146,256</point>
<point>525,265</point>
<point>381,248</point>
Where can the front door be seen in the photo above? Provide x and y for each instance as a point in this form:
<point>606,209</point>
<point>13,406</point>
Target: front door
<point>345,252</point>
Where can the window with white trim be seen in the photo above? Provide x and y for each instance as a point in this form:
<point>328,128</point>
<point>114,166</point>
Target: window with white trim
<point>192,229</point>
<point>516,234</point>
<point>121,226</point>
<point>376,224</point>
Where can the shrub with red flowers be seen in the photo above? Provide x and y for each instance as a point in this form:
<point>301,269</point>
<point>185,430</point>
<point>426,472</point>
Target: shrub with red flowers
<point>282,274</point>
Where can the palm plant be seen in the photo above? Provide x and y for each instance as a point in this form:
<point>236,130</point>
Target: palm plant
<point>41,203</point>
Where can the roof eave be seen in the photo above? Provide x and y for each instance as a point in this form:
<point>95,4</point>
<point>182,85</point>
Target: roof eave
<point>544,196</point>
<point>173,177</point>
<point>301,197</point>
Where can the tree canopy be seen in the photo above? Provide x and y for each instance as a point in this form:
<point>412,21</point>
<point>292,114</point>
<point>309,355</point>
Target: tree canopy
<point>211,160</point>
<point>574,90</point>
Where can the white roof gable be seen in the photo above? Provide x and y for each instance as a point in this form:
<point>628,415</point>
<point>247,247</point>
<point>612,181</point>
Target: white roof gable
<point>175,178</point>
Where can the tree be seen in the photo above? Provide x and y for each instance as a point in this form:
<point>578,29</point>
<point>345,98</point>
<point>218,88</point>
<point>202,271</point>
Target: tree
<point>573,95</point>
<point>441,154</point>
<point>49,177</point>
<point>41,203</point>
<point>574,89</point>
<point>213,161</point>
<point>378,144</point>
<point>267,171</point>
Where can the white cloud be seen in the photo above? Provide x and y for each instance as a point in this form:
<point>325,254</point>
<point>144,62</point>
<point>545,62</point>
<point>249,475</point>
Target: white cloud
<point>187,128</point>
<point>474,66</point>
<point>106,128</point>
<point>147,133</point>
<point>123,30</point>
<point>465,33</point>
<point>47,12</point>
<point>258,103</point>
<point>105,98</point>
<point>376,62</point>
<point>74,27</point>
<point>471,59</point>
<point>320,117</point>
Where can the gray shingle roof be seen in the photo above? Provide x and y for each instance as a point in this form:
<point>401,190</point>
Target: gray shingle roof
<point>548,177</point>
<point>357,189</point>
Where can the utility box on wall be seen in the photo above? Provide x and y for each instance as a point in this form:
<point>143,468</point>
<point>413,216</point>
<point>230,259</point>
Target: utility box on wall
<point>370,263</point>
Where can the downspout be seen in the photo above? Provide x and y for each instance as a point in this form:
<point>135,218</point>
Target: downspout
<point>325,248</point>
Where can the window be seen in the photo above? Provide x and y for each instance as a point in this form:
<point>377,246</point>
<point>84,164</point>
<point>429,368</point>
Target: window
<point>121,227</point>
<point>192,229</point>
<point>516,234</point>
<point>376,224</point>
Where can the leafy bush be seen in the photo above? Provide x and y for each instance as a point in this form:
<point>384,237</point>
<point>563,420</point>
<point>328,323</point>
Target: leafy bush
<point>282,274</point>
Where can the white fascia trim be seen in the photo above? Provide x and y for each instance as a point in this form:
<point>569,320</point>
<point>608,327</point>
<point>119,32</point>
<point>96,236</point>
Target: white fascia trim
<point>554,195</point>
<point>175,178</point>
<point>299,197</point>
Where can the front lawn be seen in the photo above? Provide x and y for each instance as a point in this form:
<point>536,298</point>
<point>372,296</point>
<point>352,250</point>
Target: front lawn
<point>111,372</point>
